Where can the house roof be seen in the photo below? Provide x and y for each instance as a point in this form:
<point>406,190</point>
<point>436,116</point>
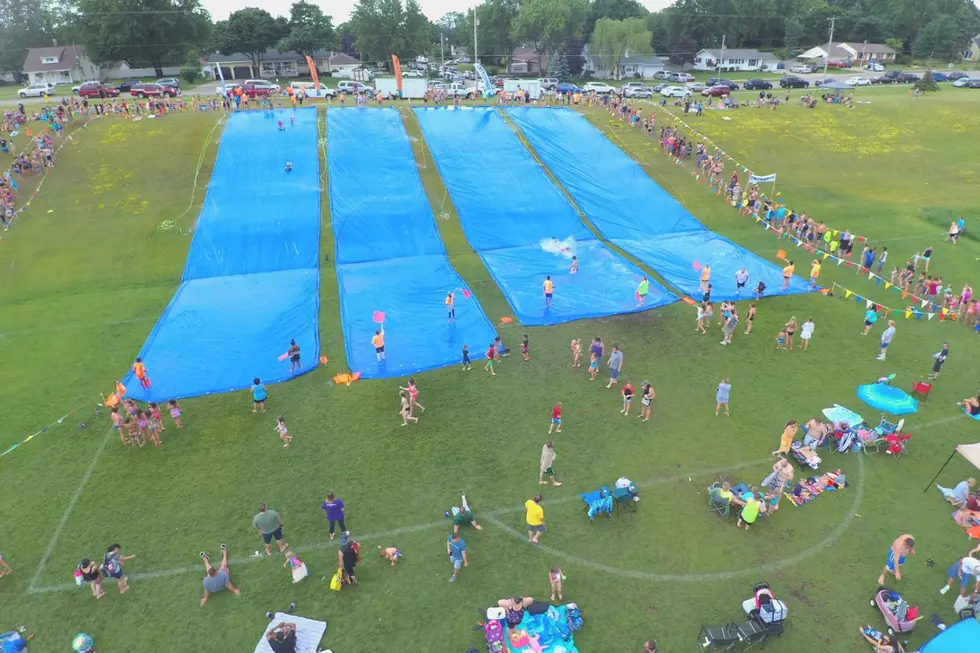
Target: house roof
<point>270,55</point>
<point>642,60</point>
<point>836,52</point>
<point>871,48</point>
<point>525,54</point>
<point>68,56</point>
<point>735,53</point>
<point>341,59</point>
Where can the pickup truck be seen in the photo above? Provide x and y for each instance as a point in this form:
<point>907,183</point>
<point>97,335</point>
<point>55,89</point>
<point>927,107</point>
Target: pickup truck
<point>459,90</point>
<point>151,90</point>
<point>257,90</point>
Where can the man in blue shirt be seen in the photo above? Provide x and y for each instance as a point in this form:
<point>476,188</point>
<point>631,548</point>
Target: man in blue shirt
<point>14,641</point>
<point>456,548</point>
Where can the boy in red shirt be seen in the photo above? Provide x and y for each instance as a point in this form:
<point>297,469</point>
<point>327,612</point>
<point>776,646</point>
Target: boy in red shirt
<point>555,418</point>
<point>491,354</point>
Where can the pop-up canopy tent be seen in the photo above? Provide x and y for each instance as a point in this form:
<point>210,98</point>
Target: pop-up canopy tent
<point>961,637</point>
<point>969,451</point>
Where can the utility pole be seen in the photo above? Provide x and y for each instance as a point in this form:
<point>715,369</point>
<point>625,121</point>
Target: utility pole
<point>476,23</point>
<point>442,50</point>
<point>722,57</point>
<point>830,44</point>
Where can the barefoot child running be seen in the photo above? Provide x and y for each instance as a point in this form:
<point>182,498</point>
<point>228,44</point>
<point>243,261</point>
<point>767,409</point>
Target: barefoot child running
<point>555,418</point>
<point>175,413</point>
<point>413,395</point>
<point>283,432</point>
<point>466,358</point>
<point>406,409</point>
<point>491,353</point>
<point>555,577</point>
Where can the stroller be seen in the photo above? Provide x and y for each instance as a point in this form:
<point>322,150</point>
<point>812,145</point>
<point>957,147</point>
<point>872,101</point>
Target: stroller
<point>899,616</point>
<point>764,618</point>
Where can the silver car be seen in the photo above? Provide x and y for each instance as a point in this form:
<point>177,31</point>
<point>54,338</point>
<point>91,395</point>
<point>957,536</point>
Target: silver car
<point>638,92</point>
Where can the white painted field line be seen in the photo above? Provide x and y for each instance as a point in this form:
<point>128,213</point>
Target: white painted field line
<point>319,546</point>
<point>67,514</point>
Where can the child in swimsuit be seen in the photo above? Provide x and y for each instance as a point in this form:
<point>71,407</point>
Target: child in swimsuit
<point>576,353</point>
<point>175,412</point>
<point>391,553</point>
<point>781,340</point>
<point>143,424</point>
<point>283,432</point>
<point>132,430</point>
<point>524,344</point>
<point>593,366</point>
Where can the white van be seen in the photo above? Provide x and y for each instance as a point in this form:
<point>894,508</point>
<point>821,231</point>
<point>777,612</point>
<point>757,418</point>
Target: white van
<point>309,89</point>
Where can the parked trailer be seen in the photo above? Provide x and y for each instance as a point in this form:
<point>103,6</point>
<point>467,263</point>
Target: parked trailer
<point>412,88</point>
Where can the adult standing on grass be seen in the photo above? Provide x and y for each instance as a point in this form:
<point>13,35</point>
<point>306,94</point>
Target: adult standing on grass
<point>217,580</point>
<point>293,354</point>
<point>89,573</point>
<point>596,348</point>
<point>269,525</point>
<point>721,396</point>
<point>112,566</point>
<point>788,274</point>
<point>886,339</point>
<point>646,399</point>
<point>902,547</point>
<point>741,278</point>
<point>534,516</point>
<point>806,332</point>
<point>456,549</point>
<point>615,366</point>
<point>334,507</point>
<point>547,464</point>
<point>790,328</point>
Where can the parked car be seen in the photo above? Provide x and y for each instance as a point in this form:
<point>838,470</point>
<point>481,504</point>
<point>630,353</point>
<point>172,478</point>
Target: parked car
<point>718,90</point>
<point>567,87</point>
<point>956,74</point>
<point>895,77</point>
<point>716,81</point>
<point>642,91</point>
<point>127,86</point>
<point>170,82</point>
<point>36,90</point>
<point>599,87</point>
<point>152,89</point>
<point>858,81</point>
<point>757,85</point>
<point>660,74</point>
<point>308,89</point>
<point>802,69</point>
<point>680,78</point>
<point>838,64</point>
<point>228,88</point>
<point>627,85</point>
<point>875,67</point>
<point>264,83</point>
<point>825,80</point>
<point>675,91</point>
<point>696,87</point>
<point>661,86</point>
<point>911,78</point>
<point>791,81</point>
<point>354,88</point>
<point>548,83</point>
<point>962,82</point>
<point>973,83</point>
<point>96,90</point>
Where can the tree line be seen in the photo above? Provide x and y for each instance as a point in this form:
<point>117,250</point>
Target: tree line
<point>158,33</point>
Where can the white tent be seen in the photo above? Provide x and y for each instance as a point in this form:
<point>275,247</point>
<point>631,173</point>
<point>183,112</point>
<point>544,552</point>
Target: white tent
<point>969,451</point>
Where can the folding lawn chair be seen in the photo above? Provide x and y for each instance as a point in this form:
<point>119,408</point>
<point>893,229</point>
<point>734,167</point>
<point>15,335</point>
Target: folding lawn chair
<point>623,500</point>
<point>598,502</point>
<point>717,504</point>
<point>715,640</point>
<point>897,444</point>
<point>921,389</point>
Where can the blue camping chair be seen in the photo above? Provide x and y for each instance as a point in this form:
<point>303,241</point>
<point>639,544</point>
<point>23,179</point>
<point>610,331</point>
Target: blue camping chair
<point>598,502</point>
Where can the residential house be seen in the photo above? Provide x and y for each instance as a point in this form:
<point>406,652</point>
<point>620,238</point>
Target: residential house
<point>338,64</point>
<point>837,52</point>
<point>275,64</point>
<point>123,70</point>
<point>631,66</point>
<point>865,53</point>
<point>972,51</point>
<point>526,61</point>
<point>59,64</point>
<point>734,60</point>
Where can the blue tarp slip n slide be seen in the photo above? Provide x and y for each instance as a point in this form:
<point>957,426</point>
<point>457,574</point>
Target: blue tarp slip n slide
<point>522,226</point>
<point>389,254</point>
<point>961,637</point>
<point>251,282</point>
<point>635,214</point>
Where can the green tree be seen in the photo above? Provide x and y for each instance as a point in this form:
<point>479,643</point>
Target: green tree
<point>143,33</point>
<point>190,72</point>
<point>416,31</point>
<point>939,39</point>
<point>793,32</point>
<point>309,30</point>
<point>23,24</point>
<point>558,66</point>
<point>614,39</point>
<point>682,50</point>
<point>615,9</point>
<point>927,83</point>
<point>379,28</point>
<point>451,26</point>
<point>250,31</point>
<point>549,23</point>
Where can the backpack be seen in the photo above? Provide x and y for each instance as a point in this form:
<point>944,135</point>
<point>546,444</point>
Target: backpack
<point>110,566</point>
<point>494,634</point>
<point>573,617</point>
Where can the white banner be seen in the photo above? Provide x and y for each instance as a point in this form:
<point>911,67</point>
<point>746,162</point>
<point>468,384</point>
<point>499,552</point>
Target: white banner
<point>768,179</point>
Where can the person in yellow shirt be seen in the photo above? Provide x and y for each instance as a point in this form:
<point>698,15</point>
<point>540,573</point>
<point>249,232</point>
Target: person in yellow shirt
<point>378,340</point>
<point>451,306</point>
<point>535,518</point>
<point>788,274</point>
<point>705,277</point>
<point>549,288</point>
<point>814,272</point>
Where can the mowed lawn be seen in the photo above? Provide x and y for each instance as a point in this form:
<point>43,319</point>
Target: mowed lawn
<point>82,286</point>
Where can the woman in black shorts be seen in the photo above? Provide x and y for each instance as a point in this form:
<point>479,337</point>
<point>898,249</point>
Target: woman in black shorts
<point>293,353</point>
<point>790,330</point>
<point>89,573</point>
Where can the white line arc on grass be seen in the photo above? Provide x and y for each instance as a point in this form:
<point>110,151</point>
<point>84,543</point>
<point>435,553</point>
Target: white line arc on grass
<point>318,546</point>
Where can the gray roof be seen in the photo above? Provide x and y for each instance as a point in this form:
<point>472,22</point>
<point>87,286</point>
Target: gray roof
<point>872,48</point>
<point>270,55</point>
<point>67,55</point>
<point>341,59</point>
<point>734,53</point>
<point>646,60</point>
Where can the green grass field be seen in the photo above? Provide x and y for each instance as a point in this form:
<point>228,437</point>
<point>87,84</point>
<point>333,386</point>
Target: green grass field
<point>82,286</point>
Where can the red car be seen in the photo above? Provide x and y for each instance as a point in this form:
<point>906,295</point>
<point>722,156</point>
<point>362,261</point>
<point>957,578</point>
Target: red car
<point>254,90</point>
<point>152,90</point>
<point>838,64</point>
<point>97,90</point>
<point>718,90</point>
